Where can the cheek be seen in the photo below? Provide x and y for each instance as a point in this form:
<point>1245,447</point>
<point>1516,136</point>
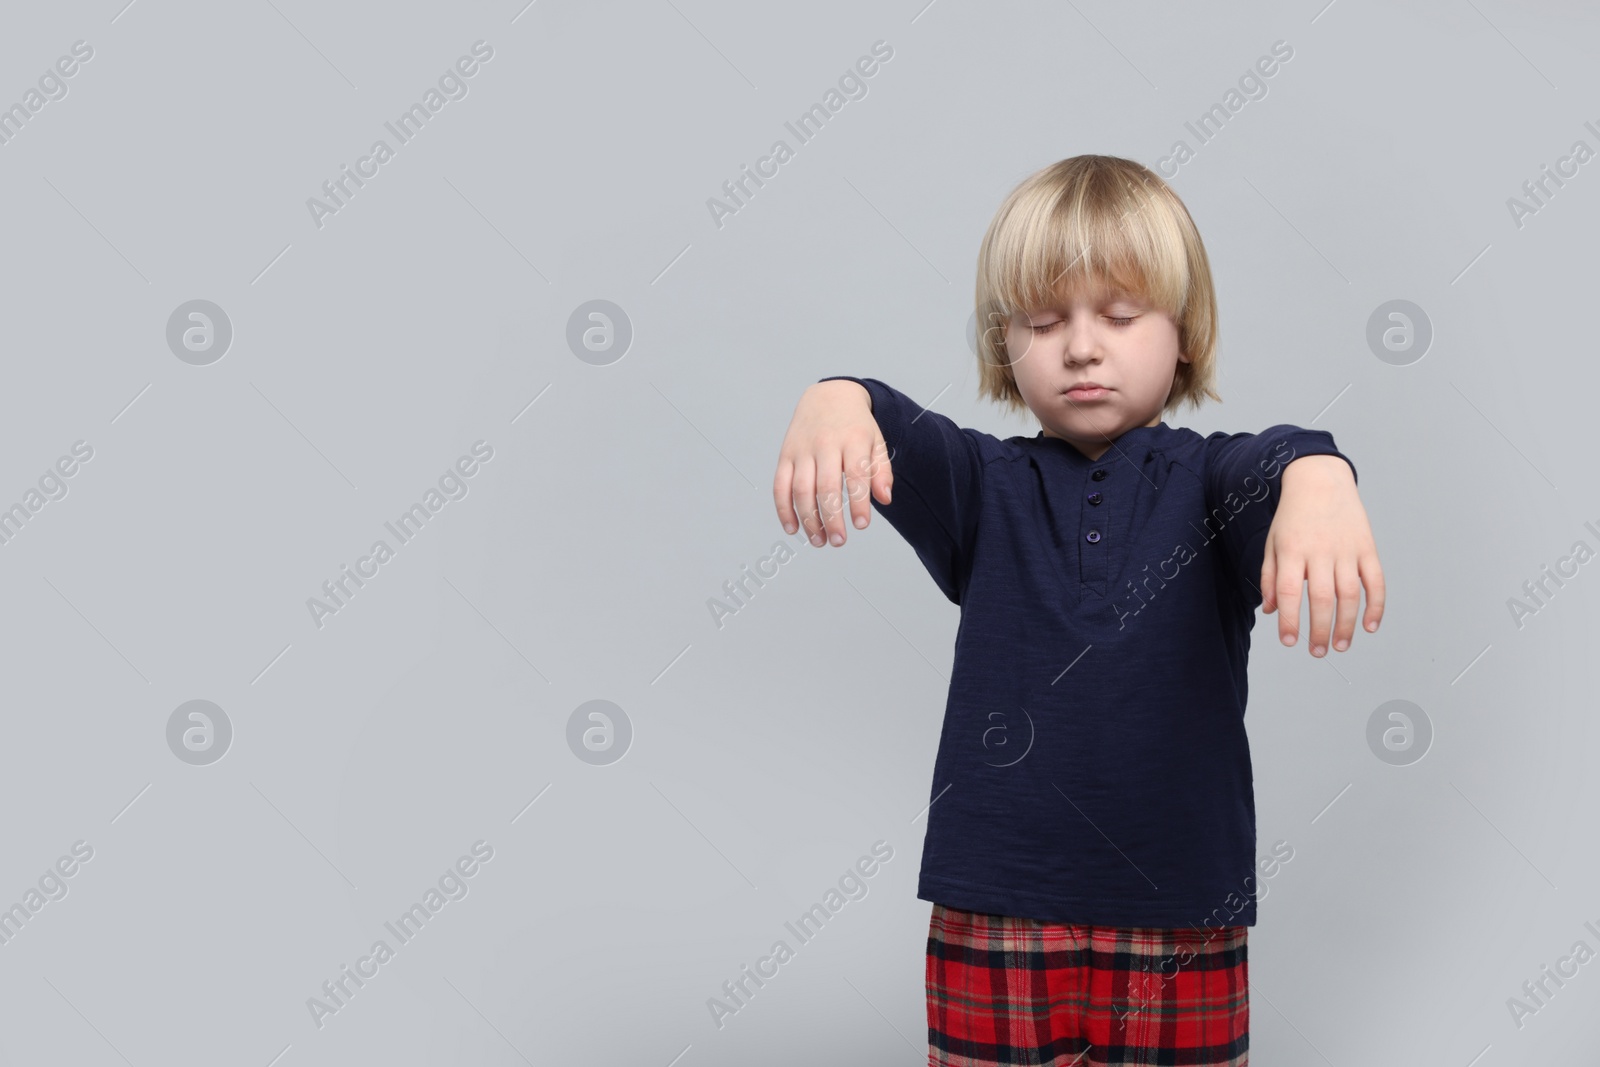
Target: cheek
<point>1018,348</point>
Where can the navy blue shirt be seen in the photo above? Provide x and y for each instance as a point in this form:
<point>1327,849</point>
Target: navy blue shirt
<point>1093,765</point>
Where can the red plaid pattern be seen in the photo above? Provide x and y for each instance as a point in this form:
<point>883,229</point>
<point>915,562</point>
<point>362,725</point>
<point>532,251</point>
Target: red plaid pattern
<point>1008,991</point>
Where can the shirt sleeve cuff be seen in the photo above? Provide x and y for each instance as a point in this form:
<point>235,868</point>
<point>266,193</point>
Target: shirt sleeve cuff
<point>1316,443</point>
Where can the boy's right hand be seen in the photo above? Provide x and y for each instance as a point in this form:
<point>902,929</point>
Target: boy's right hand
<point>832,432</point>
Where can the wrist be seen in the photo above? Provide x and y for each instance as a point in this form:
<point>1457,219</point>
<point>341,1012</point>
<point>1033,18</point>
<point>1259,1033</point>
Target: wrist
<point>844,387</point>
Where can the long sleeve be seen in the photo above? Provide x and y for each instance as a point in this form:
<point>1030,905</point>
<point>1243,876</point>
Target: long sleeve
<point>938,482</point>
<point>1243,487</point>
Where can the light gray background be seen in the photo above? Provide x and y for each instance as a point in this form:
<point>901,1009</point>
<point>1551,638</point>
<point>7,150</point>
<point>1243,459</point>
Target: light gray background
<point>768,754</point>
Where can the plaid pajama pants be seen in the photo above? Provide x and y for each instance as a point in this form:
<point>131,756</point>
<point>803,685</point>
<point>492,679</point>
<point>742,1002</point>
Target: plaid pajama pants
<point>1008,991</point>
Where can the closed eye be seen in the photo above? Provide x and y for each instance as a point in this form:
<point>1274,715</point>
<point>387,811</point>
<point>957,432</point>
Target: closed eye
<point>1047,327</point>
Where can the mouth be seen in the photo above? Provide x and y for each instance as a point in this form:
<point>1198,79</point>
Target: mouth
<point>1086,391</point>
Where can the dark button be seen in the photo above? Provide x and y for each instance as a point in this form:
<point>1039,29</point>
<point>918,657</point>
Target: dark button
<point>1093,536</point>
<point>1098,475</point>
<point>1095,498</point>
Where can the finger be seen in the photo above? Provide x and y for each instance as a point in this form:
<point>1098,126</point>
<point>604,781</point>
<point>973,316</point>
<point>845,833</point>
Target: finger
<point>858,481</point>
<point>830,492</point>
<point>1319,580</point>
<point>1372,576</point>
<point>1291,574</point>
<point>805,496</point>
<point>783,494</point>
<point>1347,587</point>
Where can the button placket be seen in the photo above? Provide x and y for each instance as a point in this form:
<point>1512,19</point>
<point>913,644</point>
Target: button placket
<point>1093,566</point>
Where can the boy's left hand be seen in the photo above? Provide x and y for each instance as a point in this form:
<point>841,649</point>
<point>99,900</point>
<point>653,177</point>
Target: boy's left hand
<point>1320,536</point>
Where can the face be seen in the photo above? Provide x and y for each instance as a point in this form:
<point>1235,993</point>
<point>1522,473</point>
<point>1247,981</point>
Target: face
<point>1107,336</point>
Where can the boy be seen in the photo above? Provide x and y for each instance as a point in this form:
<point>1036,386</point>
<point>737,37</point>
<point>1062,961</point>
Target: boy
<point>1090,848</point>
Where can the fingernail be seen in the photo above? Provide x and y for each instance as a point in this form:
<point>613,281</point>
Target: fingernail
<point>1372,626</point>
<point>1341,644</point>
<point>788,528</point>
<point>888,494</point>
<point>861,520</point>
<point>1317,650</point>
<point>1288,639</point>
<point>837,539</point>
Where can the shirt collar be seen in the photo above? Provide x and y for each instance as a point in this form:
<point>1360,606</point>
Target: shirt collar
<point>1137,439</point>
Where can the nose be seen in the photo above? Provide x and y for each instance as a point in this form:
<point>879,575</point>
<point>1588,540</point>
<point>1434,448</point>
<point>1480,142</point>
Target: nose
<point>1081,345</point>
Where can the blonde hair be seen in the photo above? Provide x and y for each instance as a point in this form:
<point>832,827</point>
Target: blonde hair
<point>1092,220</point>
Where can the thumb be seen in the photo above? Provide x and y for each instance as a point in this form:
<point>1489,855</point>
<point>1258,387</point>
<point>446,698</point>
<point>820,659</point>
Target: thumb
<point>882,473</point>
<point>1269,578</point>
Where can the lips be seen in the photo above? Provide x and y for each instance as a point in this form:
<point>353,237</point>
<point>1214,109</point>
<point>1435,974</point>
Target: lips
<point>1086,391</point>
